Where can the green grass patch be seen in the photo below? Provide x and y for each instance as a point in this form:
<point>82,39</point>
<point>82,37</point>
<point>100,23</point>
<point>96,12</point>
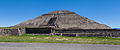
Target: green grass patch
<point>28,38</point>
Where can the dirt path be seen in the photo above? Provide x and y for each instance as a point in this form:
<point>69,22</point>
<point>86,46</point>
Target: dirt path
<point>54,46</point>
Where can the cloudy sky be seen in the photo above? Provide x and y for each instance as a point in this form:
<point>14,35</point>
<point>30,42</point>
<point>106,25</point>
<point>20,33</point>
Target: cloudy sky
<point>13,12</point>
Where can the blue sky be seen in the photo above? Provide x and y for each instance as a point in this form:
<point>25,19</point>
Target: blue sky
<point>13,12</point>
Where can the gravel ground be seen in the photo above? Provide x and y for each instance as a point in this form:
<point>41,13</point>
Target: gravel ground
<point>56,46</point>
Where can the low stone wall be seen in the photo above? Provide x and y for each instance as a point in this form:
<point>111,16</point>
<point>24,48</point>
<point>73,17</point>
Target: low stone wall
<point>9,32</point>
<point>63,32</point>
<point>89,32</point>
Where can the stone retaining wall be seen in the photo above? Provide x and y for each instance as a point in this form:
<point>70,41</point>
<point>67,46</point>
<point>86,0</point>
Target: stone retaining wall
<point>66,32</point>
<point>89,32</point>
<point>9,32</point>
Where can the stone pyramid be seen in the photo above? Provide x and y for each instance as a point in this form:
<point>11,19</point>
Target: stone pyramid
<point>63,19</point>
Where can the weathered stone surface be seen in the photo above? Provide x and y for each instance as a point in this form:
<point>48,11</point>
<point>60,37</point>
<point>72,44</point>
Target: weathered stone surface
<point>63,19</point>
<point>9,32</point>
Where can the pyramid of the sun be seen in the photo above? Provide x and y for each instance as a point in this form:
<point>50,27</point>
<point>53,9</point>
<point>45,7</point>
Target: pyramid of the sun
<point>63,19</point>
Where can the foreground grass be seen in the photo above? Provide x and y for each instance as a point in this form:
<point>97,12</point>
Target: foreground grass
<point>60,39</point>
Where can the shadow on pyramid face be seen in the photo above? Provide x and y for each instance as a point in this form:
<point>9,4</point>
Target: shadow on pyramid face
<point>52,21</point>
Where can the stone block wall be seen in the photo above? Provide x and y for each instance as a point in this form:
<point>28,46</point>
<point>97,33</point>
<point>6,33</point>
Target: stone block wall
<point>90,32</point>
<point>9,32</point>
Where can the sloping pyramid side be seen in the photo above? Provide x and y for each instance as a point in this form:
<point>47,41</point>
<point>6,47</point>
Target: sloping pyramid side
<point>63,19</point>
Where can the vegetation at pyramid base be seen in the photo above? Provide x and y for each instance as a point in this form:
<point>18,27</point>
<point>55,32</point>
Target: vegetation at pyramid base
<point>28,38</point>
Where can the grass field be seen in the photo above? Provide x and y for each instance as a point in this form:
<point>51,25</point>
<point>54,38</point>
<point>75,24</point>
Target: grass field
<point>27,38</point>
